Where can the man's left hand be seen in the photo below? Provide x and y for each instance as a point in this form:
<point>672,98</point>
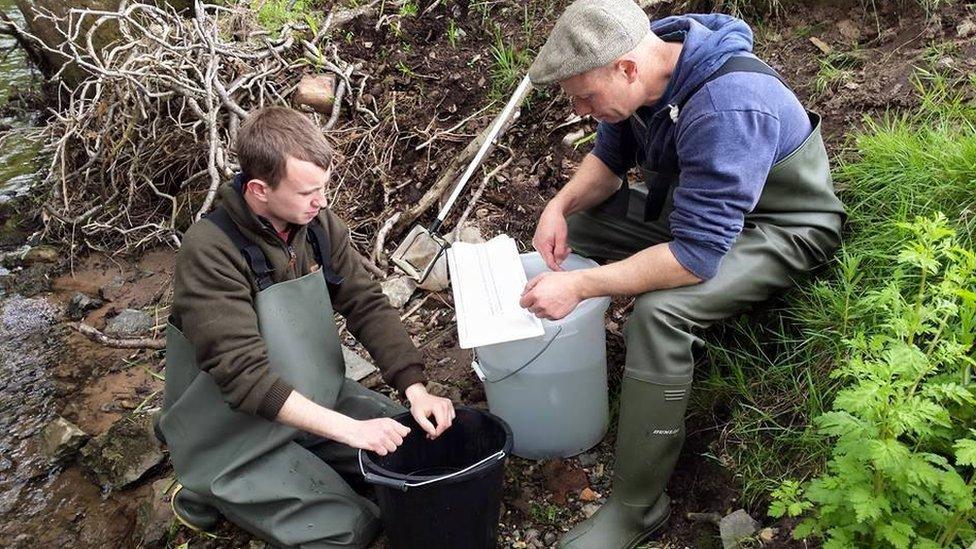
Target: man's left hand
<point>552,295</point>
<point>423,405</point>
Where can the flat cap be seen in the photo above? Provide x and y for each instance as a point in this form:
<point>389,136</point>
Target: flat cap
<point>589,34</point>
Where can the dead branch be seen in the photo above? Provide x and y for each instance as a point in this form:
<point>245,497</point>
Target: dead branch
<point>453,171</point>
<point>141,146</point>
<point>97,336</point>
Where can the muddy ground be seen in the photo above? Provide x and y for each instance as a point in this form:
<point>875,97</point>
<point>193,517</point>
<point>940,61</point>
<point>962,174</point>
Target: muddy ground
<point>49,369</point>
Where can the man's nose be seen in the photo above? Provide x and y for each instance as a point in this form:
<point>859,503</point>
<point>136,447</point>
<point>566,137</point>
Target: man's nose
<point>318,199</point>
<point>582,108</point>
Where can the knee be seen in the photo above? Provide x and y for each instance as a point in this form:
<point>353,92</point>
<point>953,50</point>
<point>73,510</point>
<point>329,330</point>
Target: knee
<point>656,310</point>
<point>659,340</point>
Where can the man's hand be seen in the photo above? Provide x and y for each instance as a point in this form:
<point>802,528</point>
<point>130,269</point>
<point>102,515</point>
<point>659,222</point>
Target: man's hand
<point>424,405</point>
<point>382,435</point>
<point>550,237</point>
<point>552,295</point>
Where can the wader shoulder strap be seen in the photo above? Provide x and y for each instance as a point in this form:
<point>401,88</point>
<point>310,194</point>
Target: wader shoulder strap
<point>255,257</point>
<point>657,191</point>
<point>323,251</point>
<point>733,64</point>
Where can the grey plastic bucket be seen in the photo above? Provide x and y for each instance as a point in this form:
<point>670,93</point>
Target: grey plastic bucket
<point>552,390</point>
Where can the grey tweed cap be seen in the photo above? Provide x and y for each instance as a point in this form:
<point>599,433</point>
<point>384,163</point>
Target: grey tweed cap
<point>589,34</point>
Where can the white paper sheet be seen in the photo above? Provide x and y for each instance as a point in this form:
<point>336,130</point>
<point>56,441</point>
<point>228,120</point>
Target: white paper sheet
<point>487,280</point>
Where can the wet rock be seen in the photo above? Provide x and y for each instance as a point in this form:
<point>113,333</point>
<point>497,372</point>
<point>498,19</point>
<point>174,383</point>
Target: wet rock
<point>736,529</point>
<point>154,516</point>
<point>447,391</point>
<point>42,254</point>
<point>398,290</point>
<point>62,439</point>
<point>130,322</point>
<point>588,459</point>
<point>316,91</point>
<point>124,453</point>
<point>82,303</point>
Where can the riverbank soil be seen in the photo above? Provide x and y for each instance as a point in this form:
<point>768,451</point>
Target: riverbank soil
<point>844,62</point>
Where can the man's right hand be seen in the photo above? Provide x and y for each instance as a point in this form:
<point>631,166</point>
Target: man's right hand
<point>550,238</point>
<point>382,435</point>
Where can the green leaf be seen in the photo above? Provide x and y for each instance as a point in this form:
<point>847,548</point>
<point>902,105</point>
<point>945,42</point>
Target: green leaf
<point>966,452</point>
<point>897,533</point>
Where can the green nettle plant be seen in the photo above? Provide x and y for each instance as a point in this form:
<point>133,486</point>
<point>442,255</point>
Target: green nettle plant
<point>901,472</point>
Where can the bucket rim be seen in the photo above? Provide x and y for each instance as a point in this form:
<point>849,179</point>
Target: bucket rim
<point>371,466</point>
<point>584,306</point>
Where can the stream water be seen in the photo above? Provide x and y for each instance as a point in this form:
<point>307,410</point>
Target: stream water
<point>19,138</point>
<point>41,505</point>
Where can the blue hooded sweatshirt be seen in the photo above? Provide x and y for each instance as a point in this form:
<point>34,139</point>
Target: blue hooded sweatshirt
<point>725,139</point>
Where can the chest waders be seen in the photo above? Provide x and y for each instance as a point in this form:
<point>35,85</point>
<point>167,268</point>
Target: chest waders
<point>794,228</point>
<point>260,474</point>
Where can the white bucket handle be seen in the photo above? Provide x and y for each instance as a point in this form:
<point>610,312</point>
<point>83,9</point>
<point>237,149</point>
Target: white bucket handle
<point>403,485</point>
<point>484,375</point>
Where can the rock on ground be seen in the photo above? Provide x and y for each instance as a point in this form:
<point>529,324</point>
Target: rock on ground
<point>736,528</point>
<point>124,453</point>
<point>130,322</point>
<point>357,367</point>
<point>398,290</point>
<point>61,439</point>
<point>154,516</point>
<point>80,304</point>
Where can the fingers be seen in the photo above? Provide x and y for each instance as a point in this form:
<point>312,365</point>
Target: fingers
<point>545,249</point>
<point>561,253</point>
<point>443,415</point>
<point>426,425</point>
<point>388,436</point>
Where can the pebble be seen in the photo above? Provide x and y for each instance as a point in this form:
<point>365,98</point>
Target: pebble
<point>588,495</point>
<point>588,459</point>
<point>589,509</point>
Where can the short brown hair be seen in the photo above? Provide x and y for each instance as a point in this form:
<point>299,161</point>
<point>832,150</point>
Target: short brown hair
<point>269,136</point>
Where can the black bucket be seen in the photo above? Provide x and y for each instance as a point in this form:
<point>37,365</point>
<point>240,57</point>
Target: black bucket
<point>443,493</point>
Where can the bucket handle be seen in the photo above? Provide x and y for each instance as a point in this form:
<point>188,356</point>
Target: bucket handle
<point>484,376</point>
<point>403,485</point>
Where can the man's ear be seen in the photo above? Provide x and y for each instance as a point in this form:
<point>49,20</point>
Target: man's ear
<point>629,69</point>
<point>258,189</point>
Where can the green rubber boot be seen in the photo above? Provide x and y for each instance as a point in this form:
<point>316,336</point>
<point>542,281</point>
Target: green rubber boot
<point>192,511</point>
<point>649,438</point>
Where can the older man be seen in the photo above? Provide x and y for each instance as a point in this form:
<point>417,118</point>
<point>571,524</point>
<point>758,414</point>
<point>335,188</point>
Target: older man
<point>735,201</point>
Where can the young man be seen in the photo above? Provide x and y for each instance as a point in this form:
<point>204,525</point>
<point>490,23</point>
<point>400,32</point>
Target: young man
<point>736,202</point>
<point>259,417</point>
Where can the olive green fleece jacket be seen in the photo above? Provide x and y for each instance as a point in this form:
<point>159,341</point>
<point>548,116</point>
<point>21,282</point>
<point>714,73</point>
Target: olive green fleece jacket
<point>213,305</point>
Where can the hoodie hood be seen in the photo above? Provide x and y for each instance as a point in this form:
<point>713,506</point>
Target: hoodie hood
<point>709,40</point>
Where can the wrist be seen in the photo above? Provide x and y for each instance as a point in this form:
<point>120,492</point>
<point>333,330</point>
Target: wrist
<point>339,427</point>
<point>559,205</point>
<point>414,391</point>
<point>583,284</point>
